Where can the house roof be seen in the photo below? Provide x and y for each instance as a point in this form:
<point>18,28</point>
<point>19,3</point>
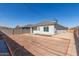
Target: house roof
<point>43,23</point>
<point>46,22</point>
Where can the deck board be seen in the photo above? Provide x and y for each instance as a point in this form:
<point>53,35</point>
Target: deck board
<point>41,45</point>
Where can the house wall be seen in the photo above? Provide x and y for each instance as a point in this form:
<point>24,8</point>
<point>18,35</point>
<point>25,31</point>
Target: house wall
<point>40,30</point>
<point>34,28</point>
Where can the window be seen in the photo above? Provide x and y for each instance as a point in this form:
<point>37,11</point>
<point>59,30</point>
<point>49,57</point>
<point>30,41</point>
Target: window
<point>46,29</point>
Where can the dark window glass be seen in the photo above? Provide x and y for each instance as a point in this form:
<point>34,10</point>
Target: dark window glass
<point>46,29</point>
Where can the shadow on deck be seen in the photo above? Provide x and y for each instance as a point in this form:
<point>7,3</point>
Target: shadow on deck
<point>16,49</point>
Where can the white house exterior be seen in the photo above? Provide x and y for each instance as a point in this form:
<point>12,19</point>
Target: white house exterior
<point>46,28</point>
<point>40,30</point>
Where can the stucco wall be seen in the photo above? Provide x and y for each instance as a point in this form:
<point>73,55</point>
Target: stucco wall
<point>41,30</point>
<point>53,29</point>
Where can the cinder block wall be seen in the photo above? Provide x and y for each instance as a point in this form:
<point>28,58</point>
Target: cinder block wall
<point>17,31</point>
<point>20,31</point>
<point>7,30</point>
<point>14,30</point>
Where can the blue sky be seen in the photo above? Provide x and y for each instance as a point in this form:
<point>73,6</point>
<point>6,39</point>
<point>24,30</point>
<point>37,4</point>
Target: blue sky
<point>22,14</point>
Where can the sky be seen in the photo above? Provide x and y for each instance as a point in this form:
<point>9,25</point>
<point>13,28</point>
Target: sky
<point>13,14</point>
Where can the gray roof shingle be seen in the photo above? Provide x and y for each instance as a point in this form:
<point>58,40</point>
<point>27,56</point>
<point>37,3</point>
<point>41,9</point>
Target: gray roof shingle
<point>46,22</point>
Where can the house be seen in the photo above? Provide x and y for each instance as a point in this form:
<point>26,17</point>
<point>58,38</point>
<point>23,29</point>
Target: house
<point>45,27</point>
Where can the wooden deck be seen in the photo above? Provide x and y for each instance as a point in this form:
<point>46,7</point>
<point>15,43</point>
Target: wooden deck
<point>42,45</point>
